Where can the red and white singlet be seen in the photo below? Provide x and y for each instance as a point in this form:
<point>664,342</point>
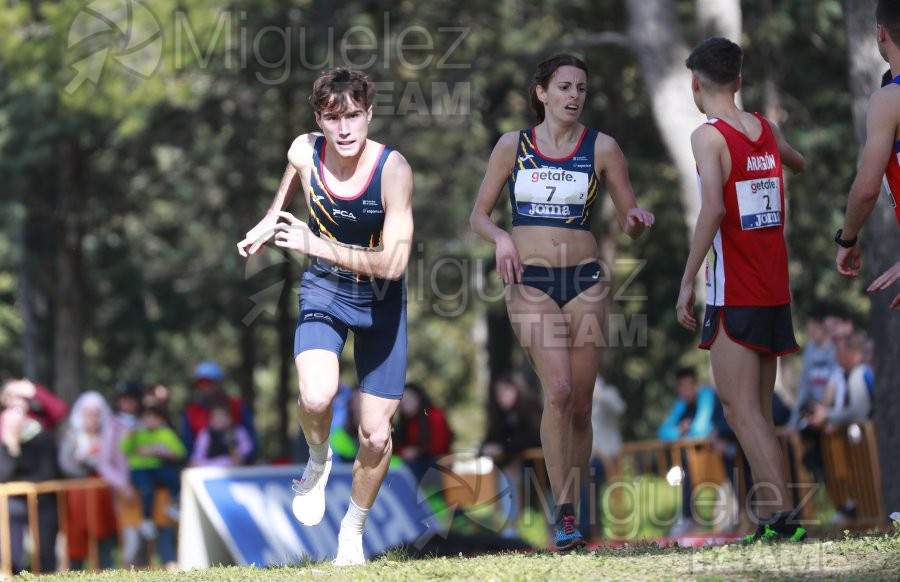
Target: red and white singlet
<point>747,264</point>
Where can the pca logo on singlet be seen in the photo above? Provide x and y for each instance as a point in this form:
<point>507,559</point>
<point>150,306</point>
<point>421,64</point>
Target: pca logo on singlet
<point>346,215</point>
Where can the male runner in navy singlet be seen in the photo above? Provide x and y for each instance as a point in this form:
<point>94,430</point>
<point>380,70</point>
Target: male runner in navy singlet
<point>358,238</point>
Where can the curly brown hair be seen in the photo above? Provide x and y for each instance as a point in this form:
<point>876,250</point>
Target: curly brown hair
<point>337,89</point>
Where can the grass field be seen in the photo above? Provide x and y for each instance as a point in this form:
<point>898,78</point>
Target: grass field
<point>849,558</point>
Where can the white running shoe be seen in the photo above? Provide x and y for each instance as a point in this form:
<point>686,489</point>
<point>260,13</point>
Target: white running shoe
<point>350,551</point>
<point>147,529</point>
<point>309,498</point>
<point>173,512</point>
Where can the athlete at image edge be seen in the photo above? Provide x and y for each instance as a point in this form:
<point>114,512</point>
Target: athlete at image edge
<point>880,158</point>
<point>567,376</point>
<point>350,164</point>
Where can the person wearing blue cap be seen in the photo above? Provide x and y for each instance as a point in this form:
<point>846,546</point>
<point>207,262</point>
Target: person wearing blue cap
<point>208,378</point>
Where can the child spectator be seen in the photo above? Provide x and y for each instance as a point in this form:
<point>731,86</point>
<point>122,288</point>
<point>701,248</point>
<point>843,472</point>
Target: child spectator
<point>221,444</point>
<point>154,451</point>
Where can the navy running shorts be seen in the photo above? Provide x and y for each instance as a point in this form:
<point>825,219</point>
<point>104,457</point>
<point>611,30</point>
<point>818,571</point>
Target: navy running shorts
<point>769,330</point>
<point>374,312</point>
<point>562,284</point>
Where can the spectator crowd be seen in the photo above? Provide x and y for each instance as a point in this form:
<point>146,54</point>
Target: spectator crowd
<point>132,441</point>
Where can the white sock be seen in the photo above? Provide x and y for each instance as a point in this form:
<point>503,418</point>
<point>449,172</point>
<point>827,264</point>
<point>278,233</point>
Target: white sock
<point>355,520</point>
<point>318,454</point>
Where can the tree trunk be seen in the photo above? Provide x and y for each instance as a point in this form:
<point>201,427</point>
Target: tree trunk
<point>881,241</point>
<point>68,322</point>
<point>657,40</point>
<point>26,303</point>
<point>286,323</point>
<point>286,376</point>
<point>248,364</point>
<point>720,18</point>
<point>659,44</point>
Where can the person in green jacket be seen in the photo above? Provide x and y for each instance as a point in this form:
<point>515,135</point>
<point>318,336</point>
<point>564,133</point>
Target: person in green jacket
<point>154,453</point>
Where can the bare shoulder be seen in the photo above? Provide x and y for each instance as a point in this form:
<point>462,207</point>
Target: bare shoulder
<point>306,140</point>
<point>397,183</point>
<point>300,154</point>
<point>503,156</point>
<point>606,144</point>
<point>707,136</point>
<point>507,143</point>
<point>884,105</point>
<point>396,167</point>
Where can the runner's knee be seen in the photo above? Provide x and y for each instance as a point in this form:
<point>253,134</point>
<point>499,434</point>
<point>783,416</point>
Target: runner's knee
<point>375,439</point>
<point>559,393</point>
<point>739,416</point>
<point>313,403</point>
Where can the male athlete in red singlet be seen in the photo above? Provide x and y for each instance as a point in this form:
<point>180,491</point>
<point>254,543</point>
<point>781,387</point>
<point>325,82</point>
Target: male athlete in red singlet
<point>747,325</point>
<point>880,159</point>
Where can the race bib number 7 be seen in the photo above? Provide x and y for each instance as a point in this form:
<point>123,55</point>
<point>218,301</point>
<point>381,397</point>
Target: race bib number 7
<point>549,193</point>
<point>759,202</point>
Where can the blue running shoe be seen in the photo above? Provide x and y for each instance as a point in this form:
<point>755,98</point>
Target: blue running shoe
<point>567,536</point>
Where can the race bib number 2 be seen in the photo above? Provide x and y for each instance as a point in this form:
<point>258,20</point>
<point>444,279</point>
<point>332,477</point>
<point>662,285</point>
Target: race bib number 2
<point>759,202</point>
<point>550,193</point>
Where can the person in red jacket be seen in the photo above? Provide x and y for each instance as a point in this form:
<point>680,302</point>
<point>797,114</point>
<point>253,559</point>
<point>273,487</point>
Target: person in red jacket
<point>421,434</point>
<point>39,403</point>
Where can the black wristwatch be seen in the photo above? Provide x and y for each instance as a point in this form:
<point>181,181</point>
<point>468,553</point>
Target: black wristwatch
<point>844,243</point>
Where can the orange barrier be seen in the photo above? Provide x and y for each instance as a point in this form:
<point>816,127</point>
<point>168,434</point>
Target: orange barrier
<point>654,456</point>
<point>800,483</point>
<point>851,468</point>
<point>31,491</point>
<point>853,472</point>
<point>129,515</point>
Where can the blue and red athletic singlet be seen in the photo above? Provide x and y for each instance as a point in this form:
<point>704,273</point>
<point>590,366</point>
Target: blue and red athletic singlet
<point>357,220</point>
<point>558,192</point>
<point>747,264</point>
<point>892,173</point>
